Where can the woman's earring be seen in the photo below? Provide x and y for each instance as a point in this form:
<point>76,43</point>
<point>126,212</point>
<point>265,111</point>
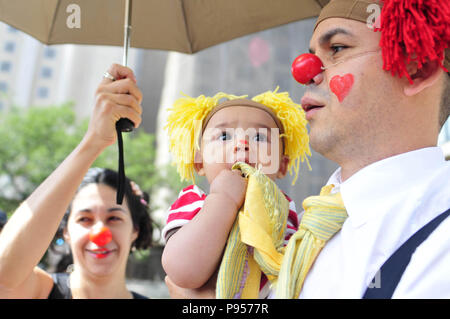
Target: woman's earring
<point>70,269</point>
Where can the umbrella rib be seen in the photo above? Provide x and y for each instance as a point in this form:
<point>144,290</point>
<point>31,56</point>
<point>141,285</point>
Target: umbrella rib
<point>322,3</point>
<point>52,25</point>
<point>183,12</point>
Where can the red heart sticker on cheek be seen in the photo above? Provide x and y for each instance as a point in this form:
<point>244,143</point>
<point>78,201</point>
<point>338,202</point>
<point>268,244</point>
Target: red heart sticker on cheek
<point>341,85</point>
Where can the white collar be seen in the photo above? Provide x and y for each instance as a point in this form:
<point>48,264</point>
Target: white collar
<point>384,181</point>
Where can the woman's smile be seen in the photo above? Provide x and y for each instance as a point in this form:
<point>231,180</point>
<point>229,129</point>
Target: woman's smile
<point>100,253</point>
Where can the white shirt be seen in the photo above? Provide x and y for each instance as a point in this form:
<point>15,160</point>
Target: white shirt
<point>387,202</point>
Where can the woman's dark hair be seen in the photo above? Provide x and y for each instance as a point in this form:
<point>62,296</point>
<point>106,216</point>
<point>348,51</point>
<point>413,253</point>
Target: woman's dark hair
<point>137,204</point>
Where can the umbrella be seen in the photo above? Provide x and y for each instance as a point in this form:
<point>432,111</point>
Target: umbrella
<point>185,26</point>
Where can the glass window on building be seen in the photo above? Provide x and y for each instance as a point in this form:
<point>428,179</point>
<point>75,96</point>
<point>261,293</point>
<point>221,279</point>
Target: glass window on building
<point>46,72</point>
<point>49,53</point>
<point>10,47</point>
<point>3,87</point>
<point>5,66</point>
<point>42,92</point>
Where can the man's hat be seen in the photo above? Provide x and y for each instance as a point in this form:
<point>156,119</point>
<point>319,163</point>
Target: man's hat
<point>411,30</point>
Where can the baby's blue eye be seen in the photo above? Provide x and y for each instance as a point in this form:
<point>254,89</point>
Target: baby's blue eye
<point>224,136</point>
<point>259,137</point>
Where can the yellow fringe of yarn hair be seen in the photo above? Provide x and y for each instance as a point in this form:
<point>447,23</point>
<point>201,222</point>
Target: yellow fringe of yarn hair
<point>185,119</point>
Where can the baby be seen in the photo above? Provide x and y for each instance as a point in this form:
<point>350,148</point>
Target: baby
<point>267,132</point>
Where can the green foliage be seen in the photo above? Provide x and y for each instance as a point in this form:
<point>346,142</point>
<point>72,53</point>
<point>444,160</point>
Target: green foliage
<point>32,144</point>
<point>34,141</point>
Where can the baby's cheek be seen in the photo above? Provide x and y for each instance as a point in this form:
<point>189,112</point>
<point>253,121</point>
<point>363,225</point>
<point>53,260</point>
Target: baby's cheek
<point>214,153</point>
<point>269,158</point>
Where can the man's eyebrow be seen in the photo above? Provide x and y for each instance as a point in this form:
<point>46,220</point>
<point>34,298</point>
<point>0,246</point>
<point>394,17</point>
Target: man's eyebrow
<point>327,36</point>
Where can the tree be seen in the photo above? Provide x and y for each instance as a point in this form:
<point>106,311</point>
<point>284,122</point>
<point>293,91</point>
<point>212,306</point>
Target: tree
<point>34,141</point>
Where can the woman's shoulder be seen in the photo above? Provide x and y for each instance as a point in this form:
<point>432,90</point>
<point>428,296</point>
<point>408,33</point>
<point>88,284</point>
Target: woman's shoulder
<point>36,286</point>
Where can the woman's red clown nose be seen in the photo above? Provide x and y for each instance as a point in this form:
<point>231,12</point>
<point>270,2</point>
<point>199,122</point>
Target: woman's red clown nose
<point>100,236</point>
<point>305,67</point>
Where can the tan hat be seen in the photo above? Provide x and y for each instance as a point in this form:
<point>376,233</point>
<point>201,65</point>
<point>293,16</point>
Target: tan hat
<point>247,103</point>
<point>358,10</point>
<point>347,9</point>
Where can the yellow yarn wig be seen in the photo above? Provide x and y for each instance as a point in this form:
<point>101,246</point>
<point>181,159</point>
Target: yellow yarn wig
<point>185,120</point>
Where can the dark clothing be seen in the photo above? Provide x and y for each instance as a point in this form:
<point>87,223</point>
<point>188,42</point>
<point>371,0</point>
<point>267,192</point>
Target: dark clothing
<point>61,288</point>
<point>392,270</point>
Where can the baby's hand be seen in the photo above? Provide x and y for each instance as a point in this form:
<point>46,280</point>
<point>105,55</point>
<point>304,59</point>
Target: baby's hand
<point>231,184</point>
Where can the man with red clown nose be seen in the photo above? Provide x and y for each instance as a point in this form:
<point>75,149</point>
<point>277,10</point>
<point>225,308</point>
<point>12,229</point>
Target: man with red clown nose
<point>376,108</point>
<point>377,95</point>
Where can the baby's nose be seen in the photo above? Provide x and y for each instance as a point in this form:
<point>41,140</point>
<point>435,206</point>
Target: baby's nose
<point>241,144</point>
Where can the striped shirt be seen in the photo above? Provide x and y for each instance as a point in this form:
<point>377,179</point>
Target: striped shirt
<point>190,202</point>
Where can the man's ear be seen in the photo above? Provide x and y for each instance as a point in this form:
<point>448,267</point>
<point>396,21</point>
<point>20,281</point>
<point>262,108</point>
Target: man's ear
<point>424,77</point>
<point>198,164</point>
<point>284,163</point>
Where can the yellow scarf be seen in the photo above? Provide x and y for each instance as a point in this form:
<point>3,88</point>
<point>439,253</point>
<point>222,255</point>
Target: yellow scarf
<point>324,216</point>
<point>255,243</point>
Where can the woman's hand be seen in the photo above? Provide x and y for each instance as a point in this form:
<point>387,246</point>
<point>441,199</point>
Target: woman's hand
<point>114,100</point>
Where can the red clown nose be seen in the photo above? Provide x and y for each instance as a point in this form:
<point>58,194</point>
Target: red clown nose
<point>305,67</point>
<point>101,236</point>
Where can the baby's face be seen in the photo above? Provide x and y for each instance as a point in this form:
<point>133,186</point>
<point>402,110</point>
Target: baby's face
<point>241,134</point>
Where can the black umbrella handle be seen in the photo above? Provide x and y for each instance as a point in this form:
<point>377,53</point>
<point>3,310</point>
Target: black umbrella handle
<point>124,125</point>
<point>121,168</point>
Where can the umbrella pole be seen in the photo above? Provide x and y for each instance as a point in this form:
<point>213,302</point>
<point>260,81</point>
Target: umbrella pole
<point>124,124</point>
<point>127,31</point>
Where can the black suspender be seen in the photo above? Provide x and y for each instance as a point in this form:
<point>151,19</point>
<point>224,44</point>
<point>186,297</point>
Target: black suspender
<point>392,270</point>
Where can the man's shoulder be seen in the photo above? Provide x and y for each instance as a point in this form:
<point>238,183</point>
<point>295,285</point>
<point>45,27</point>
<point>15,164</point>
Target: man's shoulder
<point>438,183</point>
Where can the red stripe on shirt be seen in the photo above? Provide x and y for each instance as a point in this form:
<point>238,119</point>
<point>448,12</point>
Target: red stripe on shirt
<point>189,215</point>
<point>186,199</point>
